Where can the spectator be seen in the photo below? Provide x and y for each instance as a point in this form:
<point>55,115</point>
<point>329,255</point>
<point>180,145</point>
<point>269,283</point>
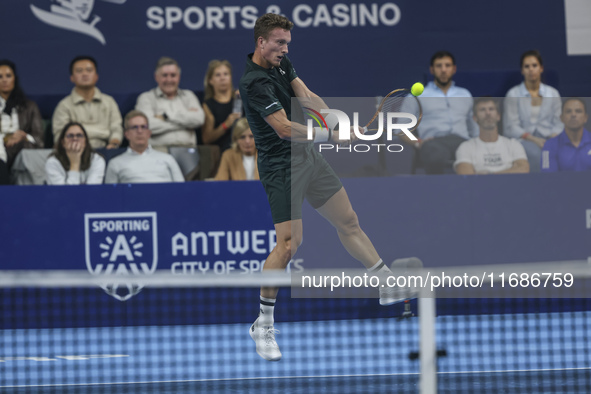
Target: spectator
<point>140,163</point>
<point>571,149</point>
<point>240,162</point>
<point>532,109</point>
<point>173,113</point>
<point>490,153</point>
<point>21,125</point>
<point>87,105</point>
<point>73,161</point>
<point>219,105</point>
<point>447,116</point>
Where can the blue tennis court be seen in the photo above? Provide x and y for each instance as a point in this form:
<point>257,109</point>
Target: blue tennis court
<point>485,353</point>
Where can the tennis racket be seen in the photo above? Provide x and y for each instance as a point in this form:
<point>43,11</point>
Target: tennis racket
<point>399,100</point>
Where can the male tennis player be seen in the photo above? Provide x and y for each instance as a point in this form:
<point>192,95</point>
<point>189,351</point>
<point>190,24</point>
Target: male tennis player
<point>291,170</point>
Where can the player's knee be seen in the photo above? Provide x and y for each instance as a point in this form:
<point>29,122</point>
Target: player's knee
<point>289,246</point>
<point>349,223</point>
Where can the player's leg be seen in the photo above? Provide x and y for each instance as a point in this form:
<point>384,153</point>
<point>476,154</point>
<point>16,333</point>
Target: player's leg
<point>339,212</point>
<point>262,331</point>
<point>289,238</point>
<point>288,228</point>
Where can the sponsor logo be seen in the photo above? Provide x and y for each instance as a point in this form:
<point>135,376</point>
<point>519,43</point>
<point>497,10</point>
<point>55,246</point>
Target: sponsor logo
<point>344,130</point>
<point>74,15</point>
<point>123,244</point>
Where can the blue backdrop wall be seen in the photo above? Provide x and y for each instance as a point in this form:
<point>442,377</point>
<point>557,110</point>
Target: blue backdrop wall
<point>363,48</point>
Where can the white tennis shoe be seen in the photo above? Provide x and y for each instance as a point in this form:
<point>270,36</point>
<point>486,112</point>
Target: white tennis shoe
<point>264,338</point>
<point>393,295</point>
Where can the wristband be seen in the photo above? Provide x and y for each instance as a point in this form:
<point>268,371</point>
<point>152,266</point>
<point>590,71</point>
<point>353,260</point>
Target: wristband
<point>321,134</point>
<point>224,126</point>
<point>331,121</point>
<point>525,135</point>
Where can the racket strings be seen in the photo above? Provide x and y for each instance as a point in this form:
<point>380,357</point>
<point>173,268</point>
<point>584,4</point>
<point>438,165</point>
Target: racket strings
<point>396,102</point>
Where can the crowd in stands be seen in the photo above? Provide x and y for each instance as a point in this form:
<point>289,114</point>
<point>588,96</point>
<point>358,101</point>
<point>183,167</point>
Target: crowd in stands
<point>532,130</point>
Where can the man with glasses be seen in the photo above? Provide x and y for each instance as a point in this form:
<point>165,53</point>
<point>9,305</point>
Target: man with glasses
<point>140,163</point>
<point>96,111</point>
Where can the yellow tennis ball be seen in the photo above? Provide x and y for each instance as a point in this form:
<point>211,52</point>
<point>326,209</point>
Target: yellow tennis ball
<point>417,89</point>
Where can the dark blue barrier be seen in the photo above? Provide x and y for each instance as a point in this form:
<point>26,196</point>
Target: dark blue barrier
<point>220,227</point>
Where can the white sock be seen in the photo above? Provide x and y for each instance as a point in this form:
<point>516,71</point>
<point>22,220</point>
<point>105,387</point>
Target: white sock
<point>380,268</point>
<point>266,311</point>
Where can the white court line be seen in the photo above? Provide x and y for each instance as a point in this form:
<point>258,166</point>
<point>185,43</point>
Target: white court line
<point>294,377</point>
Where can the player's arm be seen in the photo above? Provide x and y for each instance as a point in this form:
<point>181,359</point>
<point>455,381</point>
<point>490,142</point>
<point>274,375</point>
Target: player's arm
<point>286,129</point>
<point>307,97</point>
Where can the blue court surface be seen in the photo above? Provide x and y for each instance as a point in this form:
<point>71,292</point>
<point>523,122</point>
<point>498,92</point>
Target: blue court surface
<point>514,353</point>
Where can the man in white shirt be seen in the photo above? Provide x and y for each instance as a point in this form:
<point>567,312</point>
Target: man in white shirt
<point>173,113</point>
<point>490,153</point>
<point>140,163</point>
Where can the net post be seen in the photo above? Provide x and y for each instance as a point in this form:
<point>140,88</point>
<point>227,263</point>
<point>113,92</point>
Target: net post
<point>428,347</point>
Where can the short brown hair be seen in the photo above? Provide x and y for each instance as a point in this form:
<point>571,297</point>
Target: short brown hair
<point>167,61</point>
<point>132,114</point>
<point>485,99</point>
<point>267,23</point>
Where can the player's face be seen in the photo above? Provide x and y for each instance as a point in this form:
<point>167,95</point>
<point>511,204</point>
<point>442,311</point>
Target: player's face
<point>168,78</point>
<point>138,133</point>
<point>221,78</point>
<point>6,80</point>
<point>532,69</point>
<point>84,74</point>
<point>573,115</point>
<point>274,49</point>
<point>486,115</point>
<point>443,69</point>
<point>246,143</point>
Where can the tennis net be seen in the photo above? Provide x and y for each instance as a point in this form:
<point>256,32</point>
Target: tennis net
<point>70,332</point>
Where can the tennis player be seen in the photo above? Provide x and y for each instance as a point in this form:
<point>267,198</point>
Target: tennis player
<point>291,170</point>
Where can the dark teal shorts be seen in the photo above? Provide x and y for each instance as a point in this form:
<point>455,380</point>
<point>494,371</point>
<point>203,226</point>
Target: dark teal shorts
<point>312,179</point>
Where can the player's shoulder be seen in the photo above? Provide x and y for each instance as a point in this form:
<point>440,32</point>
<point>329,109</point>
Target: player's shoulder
<point>255,79</point>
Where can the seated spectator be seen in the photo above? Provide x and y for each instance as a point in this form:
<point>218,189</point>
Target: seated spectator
<point>571,149</point>
<point>173,113</point>
<point>87,105</point>
<point>219,105</point>
<point>21,124</point>
<point>532,109</point>
<point>140,163</point>
<point>490,153</point>
<point>240,162</point>
<point>447,116</point>
<point>73,161</point>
